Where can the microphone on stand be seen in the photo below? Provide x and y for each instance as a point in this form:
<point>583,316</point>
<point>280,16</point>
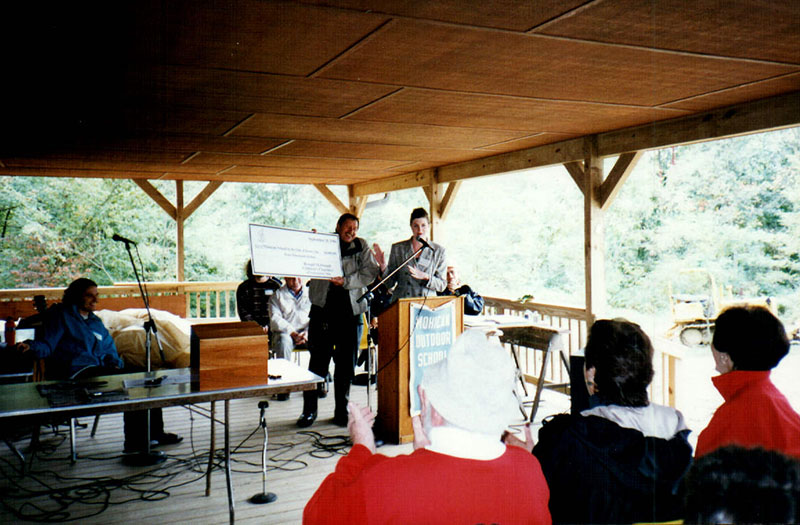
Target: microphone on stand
<point>119,238</point>
<point>424,243</point>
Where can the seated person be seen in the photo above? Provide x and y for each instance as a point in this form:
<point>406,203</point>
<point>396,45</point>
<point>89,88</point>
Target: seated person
<point>460,471</point>
<point>75,344</point>
<point>623,460</point>
<point>743,485</point>
<point>288,317</point>
<point>473,303</point>
<point>252,297</point>
<point>749,342</point>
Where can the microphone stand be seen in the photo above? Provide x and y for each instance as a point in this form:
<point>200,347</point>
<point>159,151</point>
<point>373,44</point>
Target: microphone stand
<point>368,296</point>
<point>147,457</point>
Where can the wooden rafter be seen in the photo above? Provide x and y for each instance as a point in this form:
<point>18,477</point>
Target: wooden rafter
<point>201,197</point>
<point>357,202</point>
<point>448,199</point>
<point>156,195</point>
<point>575,170</point>
<point>332,198</point>
<point>616,178</point>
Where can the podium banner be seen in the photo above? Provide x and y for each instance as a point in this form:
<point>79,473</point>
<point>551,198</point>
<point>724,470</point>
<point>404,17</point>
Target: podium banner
<point>433,332</point>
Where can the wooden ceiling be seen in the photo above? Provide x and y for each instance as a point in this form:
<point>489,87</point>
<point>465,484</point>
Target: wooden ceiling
<point>358,91</point>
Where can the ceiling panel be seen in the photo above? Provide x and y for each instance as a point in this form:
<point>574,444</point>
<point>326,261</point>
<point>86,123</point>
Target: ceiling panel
<point>302,175</point>
<point>420,106</point>
<point>262,125</point>
<point>762,29</point>
<point>528,142</point>
<point>518,15</point>
<point>423,54</point>
<point>276,161</point>
<point>351,150</point>
<point>253,92</point>
<point>248,35</point>
<point>728,97</point>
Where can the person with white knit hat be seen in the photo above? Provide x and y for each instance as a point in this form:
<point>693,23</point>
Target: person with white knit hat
<point>460,470</point>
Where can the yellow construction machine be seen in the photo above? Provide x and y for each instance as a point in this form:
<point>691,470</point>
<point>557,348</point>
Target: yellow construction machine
<point>695,309</point>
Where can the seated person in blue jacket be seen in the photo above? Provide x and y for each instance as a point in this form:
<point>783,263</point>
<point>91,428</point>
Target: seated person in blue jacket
<point>75,344</point>
<point>473,303</point>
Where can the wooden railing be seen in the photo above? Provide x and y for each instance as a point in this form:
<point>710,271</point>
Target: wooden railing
<point>217,300</point>
<point>665,360</point>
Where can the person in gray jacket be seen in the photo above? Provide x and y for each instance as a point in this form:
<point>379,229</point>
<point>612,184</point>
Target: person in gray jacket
<point>335,317</point>
<point>427,273</point>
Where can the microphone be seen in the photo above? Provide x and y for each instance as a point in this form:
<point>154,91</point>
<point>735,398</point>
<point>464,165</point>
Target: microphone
<point>119,238</point>
<point>424,243</point>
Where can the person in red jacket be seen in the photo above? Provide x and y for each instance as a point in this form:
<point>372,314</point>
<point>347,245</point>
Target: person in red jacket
<point>749,342</point>
<point>460,471</point>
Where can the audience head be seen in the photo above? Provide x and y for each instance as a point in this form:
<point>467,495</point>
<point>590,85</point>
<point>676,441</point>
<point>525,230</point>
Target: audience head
<point>81,293</point>
<point>740,485</point>
<point>622,358</point>
<point>452,276</point>
<point>248,269</point>
<point>748,338</point>
<point>473,388</point>
<point>347,227</point>
<point>419,222</point>
<point>295,284</point>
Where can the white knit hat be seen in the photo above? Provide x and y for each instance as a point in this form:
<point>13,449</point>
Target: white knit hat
<point>473,388</point>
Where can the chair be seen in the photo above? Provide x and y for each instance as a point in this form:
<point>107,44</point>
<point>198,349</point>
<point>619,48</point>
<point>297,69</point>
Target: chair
<point>39,374</point>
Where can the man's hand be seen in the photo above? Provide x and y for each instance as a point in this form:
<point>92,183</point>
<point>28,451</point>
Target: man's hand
<point>359,423</point>
<point>337,281</point>
<point>418,274</point>
<point>420,437</point>
<point>266,329</point>
<point>511,439</point>
<point>380,257</point>
<point>299,338</point>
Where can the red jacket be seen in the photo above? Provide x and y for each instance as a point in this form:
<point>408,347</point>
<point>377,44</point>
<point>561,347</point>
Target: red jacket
<point>755,414</point>
<point>428,487</point>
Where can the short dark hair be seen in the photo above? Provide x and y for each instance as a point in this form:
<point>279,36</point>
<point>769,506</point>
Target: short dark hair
<point>752,336</point>
<point>344,218</point>
<point>741,485</point>
<point>73,295</point>
<point>622,356</point>
<point>418,213</point>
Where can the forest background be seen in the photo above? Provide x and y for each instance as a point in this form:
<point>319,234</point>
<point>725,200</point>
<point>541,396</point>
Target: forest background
<point>731,207</point>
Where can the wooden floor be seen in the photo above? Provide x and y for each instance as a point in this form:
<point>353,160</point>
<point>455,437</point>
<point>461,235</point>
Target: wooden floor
<point>174,492</point>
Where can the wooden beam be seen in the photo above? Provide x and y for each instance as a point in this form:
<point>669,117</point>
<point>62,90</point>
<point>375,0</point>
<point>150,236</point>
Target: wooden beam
<point>762,115</point>
<point>594,234</point>
<point>156,195</point>
<point>201,197</point>
<point>616,178</point>
<point>449,197</point>
<point>179,219</point>
<point>398,182</point>
<point>546,155</point>
<point>357,203</point>
<point>332,198</point>
<point>435,194</point>
<point>428,194</point>
<point>575,170</point>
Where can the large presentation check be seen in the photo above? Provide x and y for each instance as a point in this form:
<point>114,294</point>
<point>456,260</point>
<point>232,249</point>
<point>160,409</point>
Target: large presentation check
<point>283,252</point>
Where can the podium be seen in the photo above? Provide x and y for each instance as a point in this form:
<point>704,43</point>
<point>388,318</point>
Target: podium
<point>393,422</point>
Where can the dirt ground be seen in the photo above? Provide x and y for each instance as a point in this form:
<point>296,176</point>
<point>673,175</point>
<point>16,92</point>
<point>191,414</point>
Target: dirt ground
<point>697,398</point>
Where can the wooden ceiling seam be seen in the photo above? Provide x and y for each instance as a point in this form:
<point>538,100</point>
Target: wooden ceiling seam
<point>353,47</point>
<point>566,14</point>
<point>666,51</point>
<point>372,103</point>
<point>190,157</point>
<point>275,148</point>
<point>730,88</point>
<point>242,121</point>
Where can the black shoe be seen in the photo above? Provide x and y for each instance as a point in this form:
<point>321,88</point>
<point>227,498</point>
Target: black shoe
<point>137,449</point>
<point>282,397</point>
<point>306,420</point>
<point>167,439</point>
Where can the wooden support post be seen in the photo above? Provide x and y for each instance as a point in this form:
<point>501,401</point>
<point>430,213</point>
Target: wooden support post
<point>179,218</point>
<point>435,193</point>
<point>594,233</point>
<point>357,202</point>
<point>617,177</point>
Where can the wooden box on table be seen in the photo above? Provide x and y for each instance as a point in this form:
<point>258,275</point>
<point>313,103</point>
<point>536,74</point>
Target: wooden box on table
<point>229,355</point>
